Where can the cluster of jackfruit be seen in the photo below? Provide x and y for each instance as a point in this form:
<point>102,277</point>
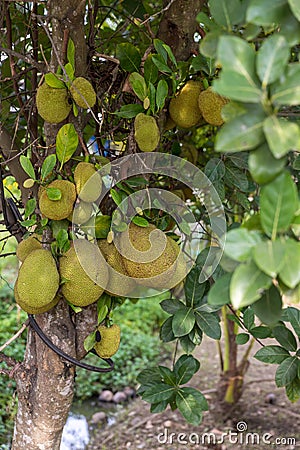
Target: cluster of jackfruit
<point>55,104</point>
<point>194,104</point>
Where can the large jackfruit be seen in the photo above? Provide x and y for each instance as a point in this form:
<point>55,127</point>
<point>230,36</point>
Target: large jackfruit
<point>58,209</point>
<point>84,273</point>
<point>53,104</point>
<point>184,109</point>
<point>109,341</point>
<point>25,247</point>
<point>83,93</point>
<point>146,132</point>
<point>38,280</point>
<point>32,309</point>
<point>210,105</point>
<point>88,182</point>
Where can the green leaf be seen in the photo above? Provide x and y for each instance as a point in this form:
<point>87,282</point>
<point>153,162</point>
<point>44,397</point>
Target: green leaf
<point>53,81</point>
<point>62,239</point>
<point>166,331</point>
<point>152,98</point>
<point>226,12</point>
<point>102,226</point>
<point>159,407</point>
<point>242,133</point>
<point>30,207</point>
<point>290,27</point>
<point>190,405</point>
<point>272,354</point>
<point>295,7</point>
<point>287,371</point>
<point>247,284</point>
<point>287,90</point>
<point>185,367</point>
<point>158,393</point>
<point>269,256</point>
<point>248,318</point>
<point>161,65</point>
<point>48,166</point>
<point>183,321</point>
<point>161,93</point>
<point>187,345</point>
<point>235,86</point>
<point>266,12</point>
<point>89,342</point>
<point>194,290</point>
<point>261,332</point>
<point>170,54</point>
<point>116,196</point>
<point>140,221</point>
<point>293,390</point>
<point>102,312</point>
<point>150,70</point>
<point>272,58</point>
<point>242,338</point>
<point>160,48</point>
<point>53,194</point>
<point>290,272</point>
<point>236,178</point>
<point>294,318</point>
<point>149,376</point>
<point>66,143</point>
<point>240,243</point>
<point>215,169</point>
<point>263,166</point>
<point>129,111</point>
<point>219,292</point>
<point>285,337</point>
<point>282,135</point>
<point>138,84</point>
<point>27,166</point>
<point>129,57</point>
<point>278,203</point>
<point>209,324</point>
<point>70,72</point>
<point>209,44</point>
<point>167,375</point>
<point>171,306</point>
<point>71,53</point>
<point>269,307</point>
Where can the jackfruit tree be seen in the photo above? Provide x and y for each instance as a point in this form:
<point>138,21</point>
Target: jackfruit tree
<point>155,146</point>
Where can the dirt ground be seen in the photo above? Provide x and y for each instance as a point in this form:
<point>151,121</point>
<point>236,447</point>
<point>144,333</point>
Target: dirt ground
<point>254,424</point>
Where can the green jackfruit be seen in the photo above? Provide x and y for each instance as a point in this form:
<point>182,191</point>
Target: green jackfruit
<point>110,341</point>
<point>83,93</point>
<point>184,109</point>
<point>52,103</point>
<point>210,105</point>
<point>88,182</point>
<point>58,209</point>
<point>26,246</point>
<point>38,279</point>
<point>84,272</point>
<point>32,309</point>
<point>81,213</point>
<point>146,132</point>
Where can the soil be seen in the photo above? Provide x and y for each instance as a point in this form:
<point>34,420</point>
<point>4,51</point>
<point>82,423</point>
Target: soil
<point>262,419</point>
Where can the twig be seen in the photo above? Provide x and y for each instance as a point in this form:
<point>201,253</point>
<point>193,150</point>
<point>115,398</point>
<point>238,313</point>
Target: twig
<point>108,58</point>
<point>25,58</point>
<point>15,336</point>
<point>159,12</point>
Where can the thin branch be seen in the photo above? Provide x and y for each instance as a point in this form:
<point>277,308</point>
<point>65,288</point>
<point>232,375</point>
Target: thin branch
<point>15,336</point>
<point>159,12</point>
<point>27,59</point>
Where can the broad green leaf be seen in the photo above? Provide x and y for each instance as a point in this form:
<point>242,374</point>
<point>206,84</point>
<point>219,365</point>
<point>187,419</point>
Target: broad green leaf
<point>62,238</point>
<point>161,93</point>
<point>167,375</point>
<point>287,371</point>
<point>150,70</point>
<point>129,57</point>
<point>293,390</point>
<point>140,221</point>
<point>183,321</point>
<point>248,318</point>
<point>261,332</point>
<point>282,135</point>
<point>161,65</point>
<point>129,111</point>
<point>242,338</point>
<point>294,318</point>
<point>226,12</point>
<point>285,337</point>
<point>29,207</point>
<point>215,169</point>
<point>194,290</point>
<point>171,306</point>
<point>240,243</point>
<point>158,393</point>
<point>27,166</point>
<point>138,85</point>
<point>170,54</point>
<point>242,133</point>
<point>219,292</point>
<point>66,143</point>
<point>53,81</point>
<point>187,345</point>
<point>269,256</point>
<point>190,405</point>
<point>247,285</point>
<point>263,166</point>
<point>278,204</point>
<point>265,12</point>
<point>53,194</point>
<point>185,367</point>
<point>48,166</point>
<point>209,44</point>
<point>71,53</point>
<point>235,86</point>
<point>269,308</point>
<point>209,324</point>
<point>290,27</point>
<point>159,407</point>
<point>160,48</point>
<point>295,7</point>
<point>149,376</point>
<point>102,226</point>
<point>152,97</point>
<point>272,354</point>
<point>287,90</point>
<point>290,272</point>
<point>69,69</point>
<point>28,183</point>
<point>89,342</point>
<point>272,58</point>
<point>236,178</point>
<point>166,331</point>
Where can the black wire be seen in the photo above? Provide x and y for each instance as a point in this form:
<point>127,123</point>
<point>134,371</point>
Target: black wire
<point>64,355</point>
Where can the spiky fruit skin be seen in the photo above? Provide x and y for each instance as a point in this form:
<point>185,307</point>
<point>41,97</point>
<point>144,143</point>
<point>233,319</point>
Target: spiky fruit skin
<point>34,310</point>
<point>81,213</point>
<point>38,280</point>
<point>58,209</point>
<point>146,132</point>
<point>154,272</point>
<point>25,247</point>
<point>83,93</point>
<point>88,182</point>
<point>79,287</point>
<point>52,104</point>
<point>115,261</point>
<point>210,105</point>
<point>110,341</point>
<point>184,109</point>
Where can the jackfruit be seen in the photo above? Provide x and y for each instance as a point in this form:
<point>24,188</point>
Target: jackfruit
<point>52,103</point>
<point>58,209</point>
<point>110,341</point>
<point>116,285</point>
<point>210,105</point>
<point>88,182</point>
<point>184,109</point>
<point>84,273</point>
<point>32,309</point>
<point>83,93</point>
<point>38,279</point>
<point>81,213</point>
<point>26,246</point>
<point>141,261</point>
<point>146,132</point>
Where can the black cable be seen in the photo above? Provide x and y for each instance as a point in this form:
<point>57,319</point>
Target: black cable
<point>64,355</point>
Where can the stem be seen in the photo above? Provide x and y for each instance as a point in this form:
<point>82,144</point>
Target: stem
<point>226,360</point>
